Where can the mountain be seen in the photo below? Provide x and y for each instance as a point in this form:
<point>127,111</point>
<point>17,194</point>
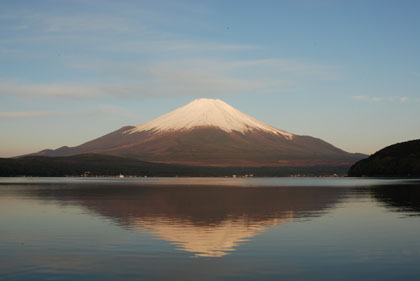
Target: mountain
<point>397,160</point>
<point>209,132</point>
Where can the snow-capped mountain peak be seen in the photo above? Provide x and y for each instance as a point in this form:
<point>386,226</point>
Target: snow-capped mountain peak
<point>207,113</point>
<point>208,132</point>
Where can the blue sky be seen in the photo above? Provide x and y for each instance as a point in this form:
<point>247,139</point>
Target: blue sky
<point>347,72</point>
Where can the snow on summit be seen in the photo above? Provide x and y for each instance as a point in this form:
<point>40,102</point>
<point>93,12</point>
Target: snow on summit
<point>207,113</point>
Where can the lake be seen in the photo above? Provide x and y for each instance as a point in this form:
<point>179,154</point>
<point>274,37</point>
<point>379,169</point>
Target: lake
<point>209,229</point>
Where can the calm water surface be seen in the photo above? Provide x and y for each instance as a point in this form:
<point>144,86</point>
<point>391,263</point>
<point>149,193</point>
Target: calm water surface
<point>209,229</point>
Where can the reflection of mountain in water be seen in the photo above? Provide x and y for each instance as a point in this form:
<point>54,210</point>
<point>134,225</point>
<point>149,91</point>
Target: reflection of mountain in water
<point>400,198</point>
<point>204,220</point>
<point>206,241</point>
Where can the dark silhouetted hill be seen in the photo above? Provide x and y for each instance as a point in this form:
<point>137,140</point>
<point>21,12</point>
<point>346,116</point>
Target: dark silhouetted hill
<point>398,160</point>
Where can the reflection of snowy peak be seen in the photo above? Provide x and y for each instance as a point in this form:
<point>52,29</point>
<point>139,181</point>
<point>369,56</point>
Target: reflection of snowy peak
<point>208,218</point>
<point>207,240</point>
<point>211,132</point>
<point>207,113</point>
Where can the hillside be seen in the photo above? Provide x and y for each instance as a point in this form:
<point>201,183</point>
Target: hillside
<point>398,160</point>
<point>106,165</point>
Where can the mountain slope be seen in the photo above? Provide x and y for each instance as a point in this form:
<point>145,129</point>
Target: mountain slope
<point>398,160</point>
<point>107,165</point>
<point>211,132</point>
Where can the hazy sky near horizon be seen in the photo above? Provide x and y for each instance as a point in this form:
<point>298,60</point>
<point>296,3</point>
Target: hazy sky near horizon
<point>347,72</point>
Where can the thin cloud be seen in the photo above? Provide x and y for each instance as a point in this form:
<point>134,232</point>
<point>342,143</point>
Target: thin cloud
<point>99,110</point>
<point>9,52</point>
<point>21,27</point>
<point>64,90</point>
<point>82,23</point>
<point>384,99</point>
<point>184,77</point>
<point>26,114</point>
<point>216,76</point>
<point>179,78</point>
<point>167,80</point>
<point>164,82</point>
<point>156,45</point>
<point>109,109</point>
<point>367,98</point>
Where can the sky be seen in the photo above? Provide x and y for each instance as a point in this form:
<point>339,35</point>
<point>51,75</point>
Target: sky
<point>347,72</point>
